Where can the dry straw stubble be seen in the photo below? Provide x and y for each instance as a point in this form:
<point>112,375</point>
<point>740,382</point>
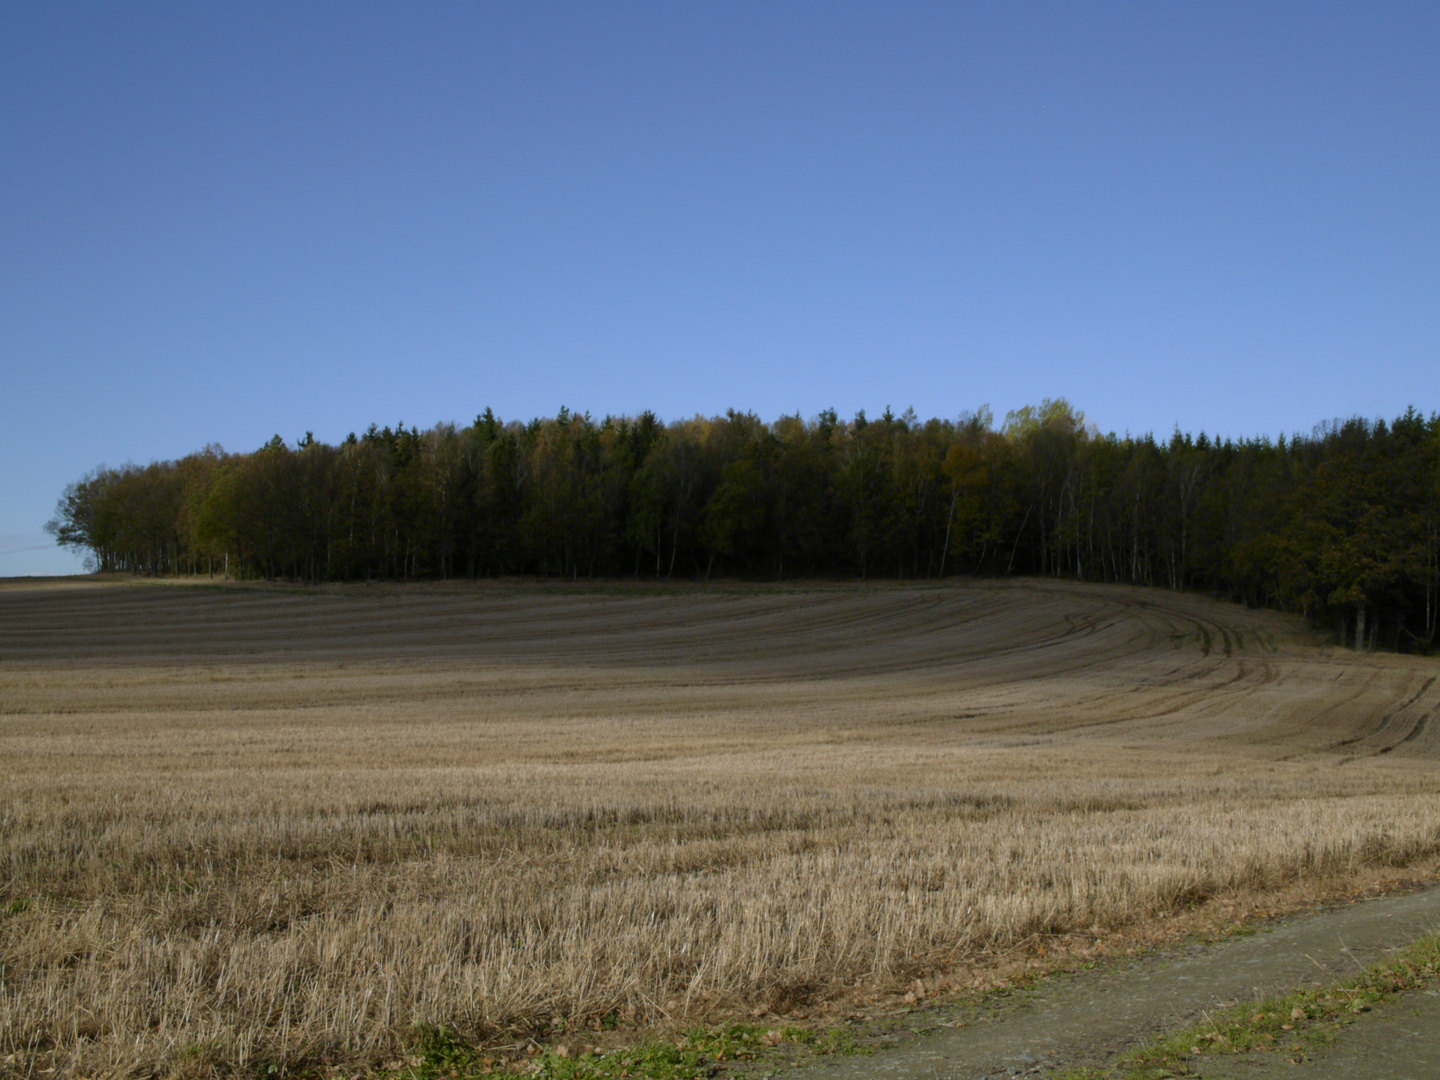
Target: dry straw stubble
<point>253,825</point>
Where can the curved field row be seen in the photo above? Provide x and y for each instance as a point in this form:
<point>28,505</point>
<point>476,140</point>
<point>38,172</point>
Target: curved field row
<point>1029,656</point>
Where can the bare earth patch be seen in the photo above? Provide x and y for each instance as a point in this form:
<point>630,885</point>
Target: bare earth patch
<point>244,827</point>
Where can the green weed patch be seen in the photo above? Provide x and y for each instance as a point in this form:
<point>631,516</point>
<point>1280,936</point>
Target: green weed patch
<point>438,1054</point>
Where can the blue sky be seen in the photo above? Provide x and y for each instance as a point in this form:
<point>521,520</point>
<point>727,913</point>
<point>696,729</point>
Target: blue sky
<point>222,222</point>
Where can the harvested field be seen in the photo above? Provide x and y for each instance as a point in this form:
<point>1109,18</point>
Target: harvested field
<point>250,825</point>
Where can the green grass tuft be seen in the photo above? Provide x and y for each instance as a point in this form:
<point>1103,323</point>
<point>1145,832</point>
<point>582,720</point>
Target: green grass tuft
<point>437,1053</point>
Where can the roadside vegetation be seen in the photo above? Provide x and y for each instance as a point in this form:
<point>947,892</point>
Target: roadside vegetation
<point>438,1054</point>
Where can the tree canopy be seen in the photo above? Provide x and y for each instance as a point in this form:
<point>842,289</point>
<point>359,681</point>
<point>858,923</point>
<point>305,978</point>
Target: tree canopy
<point>1342,524</point>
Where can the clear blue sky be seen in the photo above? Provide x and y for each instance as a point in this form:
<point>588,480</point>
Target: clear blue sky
<point>220,222</point>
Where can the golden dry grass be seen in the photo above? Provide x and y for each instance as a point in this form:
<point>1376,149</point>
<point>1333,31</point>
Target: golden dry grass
<point>251,825</point>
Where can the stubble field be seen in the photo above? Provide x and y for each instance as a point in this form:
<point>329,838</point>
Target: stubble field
<point>245,826</point>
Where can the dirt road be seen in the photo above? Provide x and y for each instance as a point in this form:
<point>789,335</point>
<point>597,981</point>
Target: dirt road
<point>1089,1018</point>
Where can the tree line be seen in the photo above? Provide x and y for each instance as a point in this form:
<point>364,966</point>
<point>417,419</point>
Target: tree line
<point>1342,524</point>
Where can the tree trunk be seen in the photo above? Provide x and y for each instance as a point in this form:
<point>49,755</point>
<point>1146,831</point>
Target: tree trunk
<point>948,522</point>
<point>1021,532</point>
